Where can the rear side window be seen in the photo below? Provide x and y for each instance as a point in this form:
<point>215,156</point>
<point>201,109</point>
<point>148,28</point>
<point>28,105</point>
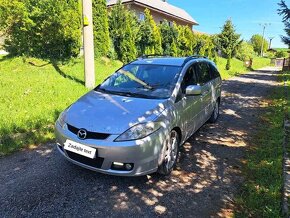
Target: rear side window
<point>214,72</point>
<point>203,71</point>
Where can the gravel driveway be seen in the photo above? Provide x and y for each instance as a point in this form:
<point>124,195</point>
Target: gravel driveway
<point>40,183</point>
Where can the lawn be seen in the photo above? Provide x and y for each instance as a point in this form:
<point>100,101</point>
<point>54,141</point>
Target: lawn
<point>34,92</point>
<point>238,66</point>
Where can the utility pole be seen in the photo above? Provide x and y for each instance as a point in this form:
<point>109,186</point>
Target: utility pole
<point>270,41</point>
<point>264,25</point>
<point>88,43</point>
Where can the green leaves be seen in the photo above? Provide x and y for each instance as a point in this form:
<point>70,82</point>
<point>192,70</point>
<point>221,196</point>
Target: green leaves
<point>101,28</point>
<point>123,32</point>
<point>228,41</point>
<point>149,41</point>
<point>257,41</point>
<point>41,28</point>
<point>285,12</point>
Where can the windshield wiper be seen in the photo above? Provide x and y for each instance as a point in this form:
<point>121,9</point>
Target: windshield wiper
<point>133,77</point>
<point>127,94</point>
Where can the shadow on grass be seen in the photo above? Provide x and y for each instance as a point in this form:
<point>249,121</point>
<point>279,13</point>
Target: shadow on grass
<point>56,67</point>
<point>13,139</point>
<point>6,57</point>
<point>35,65</point>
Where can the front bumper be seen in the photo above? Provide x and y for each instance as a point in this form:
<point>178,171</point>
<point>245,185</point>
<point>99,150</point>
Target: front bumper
<point>143,154</point>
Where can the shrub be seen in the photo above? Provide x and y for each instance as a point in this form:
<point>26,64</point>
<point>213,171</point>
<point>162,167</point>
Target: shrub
<point>245,51</point>
<point>257,41</point>
<point>281,54</point>
<point>41,28</point>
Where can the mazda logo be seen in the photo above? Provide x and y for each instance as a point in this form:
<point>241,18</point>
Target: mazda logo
<point>82,134</point>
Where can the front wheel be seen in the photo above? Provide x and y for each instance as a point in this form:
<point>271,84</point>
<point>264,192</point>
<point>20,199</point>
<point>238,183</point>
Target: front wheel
<point>170,154</point>
<point>215,114</point>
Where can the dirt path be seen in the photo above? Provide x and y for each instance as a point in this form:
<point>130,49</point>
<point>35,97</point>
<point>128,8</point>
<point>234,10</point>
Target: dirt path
<point>41,183</point>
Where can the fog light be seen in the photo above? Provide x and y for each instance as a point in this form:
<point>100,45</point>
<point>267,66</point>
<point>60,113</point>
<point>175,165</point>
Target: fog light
<point>118,164</point>
<point>128,166</point>
<point>122,166</point>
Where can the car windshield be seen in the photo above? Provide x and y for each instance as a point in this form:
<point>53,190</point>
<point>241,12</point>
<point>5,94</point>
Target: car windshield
<point>143,81</point>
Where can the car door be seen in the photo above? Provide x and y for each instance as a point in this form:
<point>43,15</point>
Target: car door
<point>216,83</point>
<point>204,80</point>
<point>189,107</point>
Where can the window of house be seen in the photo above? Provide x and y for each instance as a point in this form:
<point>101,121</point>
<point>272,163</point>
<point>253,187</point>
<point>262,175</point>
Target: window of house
<point>141,16</point>
<point>170,23</point>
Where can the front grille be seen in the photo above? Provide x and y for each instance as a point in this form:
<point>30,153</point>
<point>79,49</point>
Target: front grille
<point>90,135</point>
<point>96,162</point>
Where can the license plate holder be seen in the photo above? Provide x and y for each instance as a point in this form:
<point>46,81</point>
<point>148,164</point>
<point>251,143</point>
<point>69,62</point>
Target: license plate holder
<point>80,149</point>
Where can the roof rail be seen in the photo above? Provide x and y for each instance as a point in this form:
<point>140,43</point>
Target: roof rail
<point>152,55</point>
<point>193,57</point>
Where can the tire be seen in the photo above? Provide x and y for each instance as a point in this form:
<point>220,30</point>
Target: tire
<point>170,154</point>
<point>216,112</point>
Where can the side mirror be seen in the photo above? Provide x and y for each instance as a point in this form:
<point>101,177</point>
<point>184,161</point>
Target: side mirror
<point>193,90</point>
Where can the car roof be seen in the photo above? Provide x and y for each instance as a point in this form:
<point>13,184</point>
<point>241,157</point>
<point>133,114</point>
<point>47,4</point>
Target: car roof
<point>169,61</point>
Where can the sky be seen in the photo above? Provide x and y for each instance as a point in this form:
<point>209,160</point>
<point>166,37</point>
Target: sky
<point>246,15</point>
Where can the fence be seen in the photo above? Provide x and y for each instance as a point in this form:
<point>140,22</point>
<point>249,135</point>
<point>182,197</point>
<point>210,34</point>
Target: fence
<point>286,64</point>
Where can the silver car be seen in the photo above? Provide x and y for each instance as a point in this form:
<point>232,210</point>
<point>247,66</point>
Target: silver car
<point>135,121</point>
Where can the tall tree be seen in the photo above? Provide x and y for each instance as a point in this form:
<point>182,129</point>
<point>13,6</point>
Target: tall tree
<point>123,32</point>
<point>229,41</point>
<point>149,35</point>
<point>257,41</point>
<point>285,12</point>
<point>101,28</point>
<point>41,28</point>
<point>169,36</point>
<point>186,41</point>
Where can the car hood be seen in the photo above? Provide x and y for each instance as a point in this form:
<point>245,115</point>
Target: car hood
<point>112,114</point>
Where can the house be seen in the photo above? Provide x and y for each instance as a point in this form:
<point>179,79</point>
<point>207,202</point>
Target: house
<point>160,10</point>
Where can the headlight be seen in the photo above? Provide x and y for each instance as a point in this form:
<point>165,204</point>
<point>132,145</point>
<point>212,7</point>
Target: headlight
<point>139,131</point>
<point>60,120</point>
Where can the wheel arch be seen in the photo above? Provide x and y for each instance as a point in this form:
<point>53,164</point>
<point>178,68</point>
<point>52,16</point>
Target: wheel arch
<point>178,130</point>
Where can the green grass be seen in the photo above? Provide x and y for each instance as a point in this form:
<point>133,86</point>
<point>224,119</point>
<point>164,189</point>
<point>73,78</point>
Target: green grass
<point>259,62</point>
<point>33,96</point>
<point>238,67</point>
<point>260,194</point>
<point>287,80</point>
<point>34,92</point>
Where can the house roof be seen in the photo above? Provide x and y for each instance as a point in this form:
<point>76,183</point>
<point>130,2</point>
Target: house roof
<point>162,6</point>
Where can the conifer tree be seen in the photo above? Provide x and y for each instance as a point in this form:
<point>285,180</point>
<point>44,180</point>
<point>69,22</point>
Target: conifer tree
<point>169,36</point>
<point>149,36</point>
<point>229,41</point>
<point>101,28</point>
<point>123,32</point>
<point>186,41</point>
<point>285,12</point>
